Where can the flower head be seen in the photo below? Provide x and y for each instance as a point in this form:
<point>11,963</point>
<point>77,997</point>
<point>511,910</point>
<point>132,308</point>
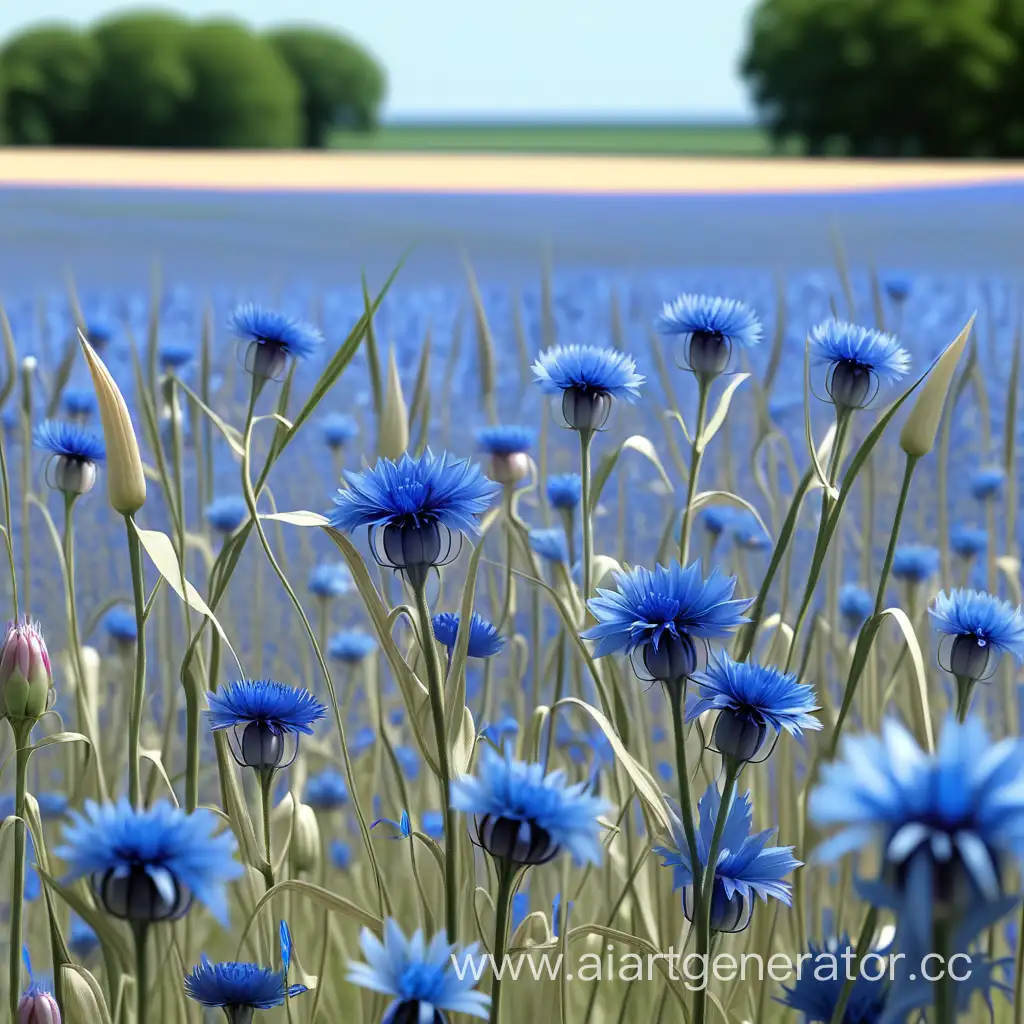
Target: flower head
<point>819,985</point>
<point>272,338</point>
<point>26,678</point>
<point>897,287</point>
<point>564,491</point>
<point>947,823</point>
<point>175,355</point>
<point>747,532</point>
<point>550,544</point>
<point>326,791</point>
<point>418,976</point>
<point>746,867</point>
<point>750,699</point>
<point>148,865</point>
<point>987,483</point>
<point>338,429</point>
<point>526,816</point>
<point>662,612</point>
<point>351,646</point>
<point>858,359</point>
<point>915,563</point>
<point>855,605</point>
<point>710,328</point>
<point>37,1004</point>
<point>79,403</point>
<point>83,939</point>
<point>226,514</point>
<point>484,639</point>
<point>981,627</point>
<point>330,580</point>
<point>717,519</point>
<point>967,541</point>
<point>588,378</point>
<point>120,625</point>
<point>75,452</point>
<point>505,440</point>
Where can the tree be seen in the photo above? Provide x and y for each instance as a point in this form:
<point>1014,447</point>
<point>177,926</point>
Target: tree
<point>48,73</point>
<point>342,85</point>
<point>243,95</point>
<point>880,77</point>
<point>144,82</point>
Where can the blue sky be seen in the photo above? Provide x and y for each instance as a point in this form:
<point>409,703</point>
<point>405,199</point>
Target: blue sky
<point>475,58</point>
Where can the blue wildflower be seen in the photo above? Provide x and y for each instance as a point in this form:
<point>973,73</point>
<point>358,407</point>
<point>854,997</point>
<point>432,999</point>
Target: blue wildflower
<point>709,328</point>
<point>564,491</point>
<point>268,713</point>
<point>403,827</point>
<point>505,440</point>
<point>915,563</point>
<point>662,613</point>
<point>408,761</point>
<point>226,514</point>
<point>550,544</point>
<point>341,854</point>
<point>82,940</point>
<point>747,866</point>
<point>747,532</point>
<point>351,646</point>
<point>948,824</point>
<point>987,483</point>
<point>967,541</point>
<point>525,816</point>
<point>556,913</point>
<point>588,378</point>
<point>520,909</point>
<point>412,501</point>
<point>338,429</point>
<point>897,287</point>
<point>432,823</point>
<point>175,355</point>
<point>120,625</point>
<point>484,639</point>
<point>750,700</point>
<point>272,338</point>
<point>78,402</point>
<point>978,627</point>
<point>717,519</point>
<point>418,976</point>
<point>362,740</point>
<point>330,580</point>
<point>52,805</point>
<point>147,865</point>
<point>859,359</point>
<point>855,605</point>
<point>502,729</point>
<point>326,791</point>
<point>69,441</point>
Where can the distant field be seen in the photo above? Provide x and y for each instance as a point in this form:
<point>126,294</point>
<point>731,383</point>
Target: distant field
<point>633,139</point>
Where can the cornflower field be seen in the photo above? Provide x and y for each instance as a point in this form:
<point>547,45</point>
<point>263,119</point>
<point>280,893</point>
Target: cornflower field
<point>627,647</point>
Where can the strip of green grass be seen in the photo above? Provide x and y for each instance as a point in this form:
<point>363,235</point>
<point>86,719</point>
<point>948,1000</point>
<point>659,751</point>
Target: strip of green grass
<point>624,139</point>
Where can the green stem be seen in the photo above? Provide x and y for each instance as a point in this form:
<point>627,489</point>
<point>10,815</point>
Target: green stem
<point>21,738</point>
<point>696,458</point>
<point>266,777</point>
<point>436,692</point>
<point>141,974</point>
<point>7,523</point>
<point>702,916</point>
<point>863,942</point>
<point>677,699</point>
<point>586,436</point>
<point>945,993</point>
<point>506,880</point>
<point>964,691</point>
<point>139,687</point>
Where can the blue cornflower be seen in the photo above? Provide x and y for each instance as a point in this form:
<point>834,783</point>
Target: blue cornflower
<point>564,491</point>
<point>662,613</point>
<point>710,328</point>
<point>747,532</point>
<point>52,805</point>
<point>948,823</point>
<point>967,541</point>
<point>99,332</point>
<point>820,983</point>
<point>915,563</point>
<point>751,699</point>
<point>897,287</point>
<point>432,823</point>
<point>147,865</point>
<point>855,605</point>
<point>484,639</point>
<point>330,580</point>
<point>338,429</point>
<point>588,378</point>
<point>240,988</point>
<point>525,816</point>
<point>326,791</point>
<point>858,360</point>
<point>69,441</point>
<point>418,503</point>
<point>341,854</point>
<point>717,519</point>
<point>746,867</point>
<point>418,976</point>
<point>175,355</point>
<point>120,625</point>
<point>987,483</point>
<point>351,646</point>
<point>520,909</point>
<point>505,440</point>
<point>362,740</point>
<point>82,939</point>
<point>272,338</point>
<point>226,514</point>
<point>979,627</point>
<point>550,544</point>
<point>78,402</point>
<point>402,827</point>
<point>408,761</point>
<point>268,713</point>
<point>502,729</point>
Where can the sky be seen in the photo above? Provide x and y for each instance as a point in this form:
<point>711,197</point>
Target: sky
<point>473,58</point>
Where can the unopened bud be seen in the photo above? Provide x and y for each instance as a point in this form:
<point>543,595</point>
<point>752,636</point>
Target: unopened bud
<point>25,675</point>
<point>83,997</point>
<point>305,847</point>
<point>38,1007</point>
<point>510,469</point>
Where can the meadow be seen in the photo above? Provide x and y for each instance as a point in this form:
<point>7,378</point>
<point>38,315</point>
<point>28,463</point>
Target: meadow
<point>832,495</point>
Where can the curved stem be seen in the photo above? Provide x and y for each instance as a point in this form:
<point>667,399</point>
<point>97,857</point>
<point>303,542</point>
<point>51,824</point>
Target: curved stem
<point>21,738</point>
<point>506,880</point>
<point>266,777</point>
<point>586,436</point>
<point>436,692</point>
<point>139,687</point>
<point>696,458</point>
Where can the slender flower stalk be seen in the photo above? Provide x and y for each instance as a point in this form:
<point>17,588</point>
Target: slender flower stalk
<point>502,907</point>
<point>587,514</point>
<point>22,754</point>
<point>139,682</point>
<point>696,458</point>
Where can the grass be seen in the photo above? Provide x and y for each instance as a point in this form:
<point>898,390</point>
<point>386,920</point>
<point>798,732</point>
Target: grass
<point>632,139</point>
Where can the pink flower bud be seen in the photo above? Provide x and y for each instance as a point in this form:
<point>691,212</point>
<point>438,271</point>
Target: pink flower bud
<point>38,1007</point>
<point>25,674</point>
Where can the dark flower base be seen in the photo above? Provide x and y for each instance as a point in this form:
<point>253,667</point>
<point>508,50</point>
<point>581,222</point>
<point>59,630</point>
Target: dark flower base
<point>519,842</point>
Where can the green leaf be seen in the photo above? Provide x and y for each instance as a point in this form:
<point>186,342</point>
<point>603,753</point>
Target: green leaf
<point>714,424</point>
<point>637,443</point>
<point>818,471</point>
<point>920,676</point>
<point>231,434</point>
<point>10,358</point>
<point>299,518</point>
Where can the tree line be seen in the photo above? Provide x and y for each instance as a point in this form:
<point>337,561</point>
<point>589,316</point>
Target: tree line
<point>149,79</point>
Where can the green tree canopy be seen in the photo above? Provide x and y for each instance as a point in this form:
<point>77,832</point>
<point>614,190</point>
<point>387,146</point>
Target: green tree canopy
<point>48,74</point>
<point>342,85</point>
<point>881,77</point>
